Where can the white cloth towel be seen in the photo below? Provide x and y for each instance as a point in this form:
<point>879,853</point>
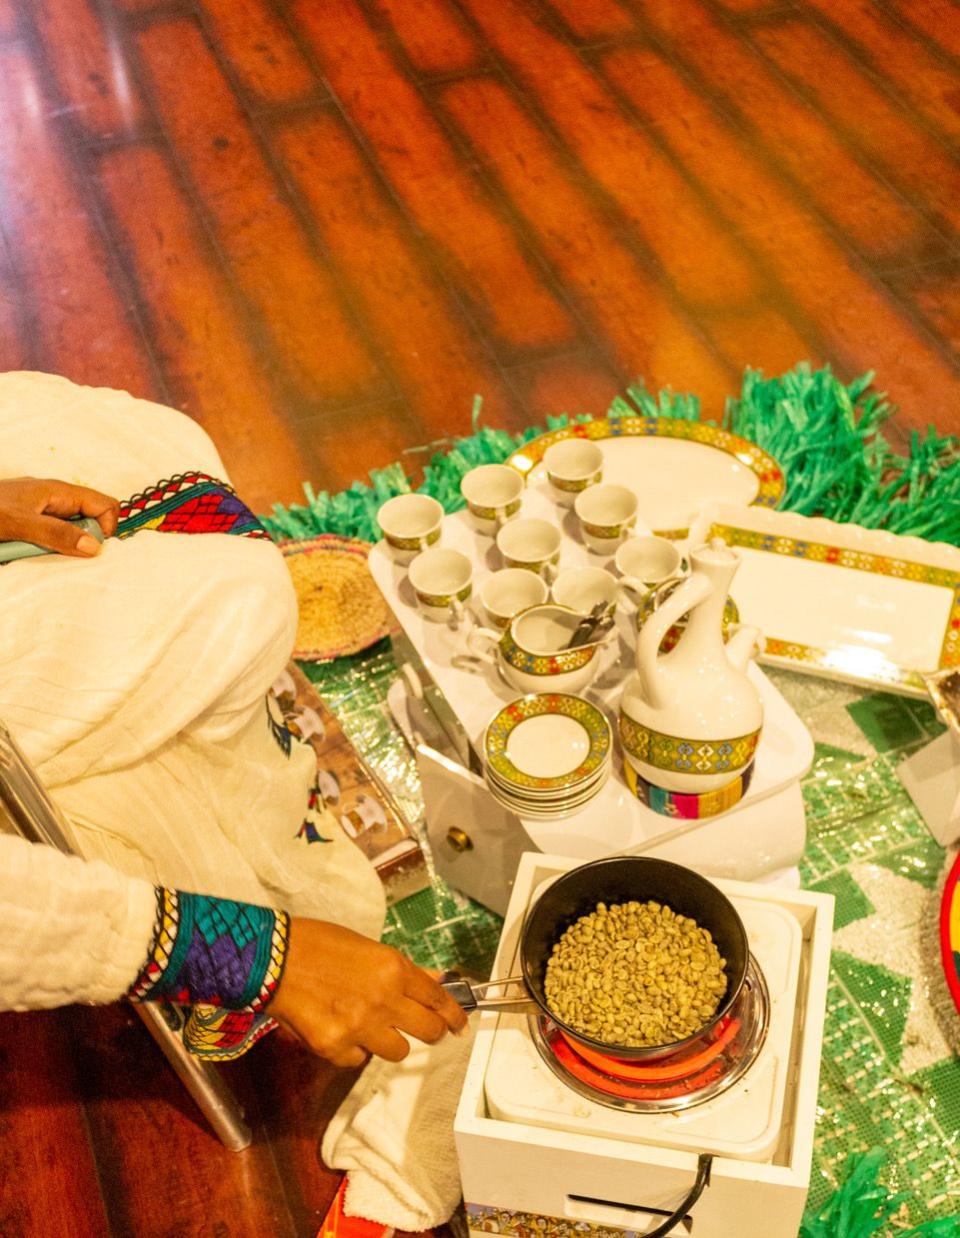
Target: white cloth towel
<point>394,1136</point>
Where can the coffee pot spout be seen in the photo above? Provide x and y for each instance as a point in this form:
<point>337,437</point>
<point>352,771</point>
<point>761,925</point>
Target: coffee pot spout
<point>745,643</point>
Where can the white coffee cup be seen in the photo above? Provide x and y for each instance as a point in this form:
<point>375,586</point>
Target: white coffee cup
<point>572,465</point>
<point>532,652</point>
<point>493,493</point>
<point>644,563</point>
<point>532,544</point>
<point>583,588</point>
<point>410,523</point>
<point>443,581</point>
<point>509,591</point>
<point>607,515</point>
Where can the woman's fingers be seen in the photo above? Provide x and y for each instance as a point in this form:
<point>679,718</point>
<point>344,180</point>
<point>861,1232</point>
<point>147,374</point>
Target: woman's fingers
<point>386,1042</point>
<point>67,500</point>
<point>420,1023</point>
<point>60,535</point>
<point>422,988</point>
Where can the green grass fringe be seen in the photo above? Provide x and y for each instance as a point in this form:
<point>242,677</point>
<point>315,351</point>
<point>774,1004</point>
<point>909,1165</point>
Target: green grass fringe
<point>825,435</point>
<point>861,1207</point>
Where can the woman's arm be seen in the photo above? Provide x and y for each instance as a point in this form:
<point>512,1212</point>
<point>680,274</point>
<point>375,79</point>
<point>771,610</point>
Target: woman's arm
<point>72,930</point>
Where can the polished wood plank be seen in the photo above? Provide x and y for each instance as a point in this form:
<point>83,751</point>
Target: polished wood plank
<point>578,383</point>
<point>297,1095</point>
<point>936,21</point>
<point>469,241</point>
<point>648,194</point>
<point>594,19</point>
<point>435,37</point>
<point>855,315</point>
<point>157,1160</point>
<point>91,69</point>
<point>197,330</point>
<point>77,321</point>
<point>919,82</point>
<point>436,362</point>
<point>614,292</point>
<point>49,1180</point>
<point>816,165</point>
<point>312,342</point>
<point>879,130</point>
<point>260,50</point>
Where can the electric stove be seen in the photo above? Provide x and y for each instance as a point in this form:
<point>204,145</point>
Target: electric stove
<point>555,1139</point>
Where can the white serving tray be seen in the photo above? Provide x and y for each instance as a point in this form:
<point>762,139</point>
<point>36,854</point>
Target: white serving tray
<point>837,600</point>
<point>784,755</point>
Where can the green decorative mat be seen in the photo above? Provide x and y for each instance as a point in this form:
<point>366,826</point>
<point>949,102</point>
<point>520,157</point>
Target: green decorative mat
<point>826,436</point>
<point>890,1079</point>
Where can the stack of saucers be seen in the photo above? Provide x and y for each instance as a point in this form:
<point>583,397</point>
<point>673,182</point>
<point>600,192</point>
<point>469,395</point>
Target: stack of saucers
<point>547,755</point>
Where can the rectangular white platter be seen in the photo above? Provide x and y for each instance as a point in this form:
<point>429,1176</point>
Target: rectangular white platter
<point>860,605</point>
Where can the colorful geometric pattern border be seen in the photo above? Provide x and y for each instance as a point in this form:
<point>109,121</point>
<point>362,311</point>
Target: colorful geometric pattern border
<point>531,565</point>
<point>607,532</point>
<point>768,472</point>
<point>689,756</point>
<point>950,932</point>
<point>493,513</point>
<point>444,599</point>
<point>688,807</point>
<point>498,734</point>
<point>860,561</point>
<point>543,664</point>
<point>882,673</point>
<point>413,543</point>
<point>574,487</point>
<point>214,951</point>
<point>189,503</point>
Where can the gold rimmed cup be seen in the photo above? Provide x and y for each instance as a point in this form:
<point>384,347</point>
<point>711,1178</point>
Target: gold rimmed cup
<point>443,582</point>
<point>607,515</point>
<point>410,524</point>
<point>572,465</point>
<point>493,493</point>
<point>532,544</point>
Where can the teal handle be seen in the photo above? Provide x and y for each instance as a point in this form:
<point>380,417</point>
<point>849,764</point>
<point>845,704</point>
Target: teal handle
<point>10,551</point>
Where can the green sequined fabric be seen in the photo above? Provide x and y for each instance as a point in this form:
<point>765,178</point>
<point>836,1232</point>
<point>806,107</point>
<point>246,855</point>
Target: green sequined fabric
<point>890,1077</point>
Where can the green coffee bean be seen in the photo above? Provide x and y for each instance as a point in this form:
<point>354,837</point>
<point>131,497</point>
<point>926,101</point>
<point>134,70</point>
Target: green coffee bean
<point>635,974</point>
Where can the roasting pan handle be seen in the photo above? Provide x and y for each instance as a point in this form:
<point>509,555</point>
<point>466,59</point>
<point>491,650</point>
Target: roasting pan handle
<point>471,995</point>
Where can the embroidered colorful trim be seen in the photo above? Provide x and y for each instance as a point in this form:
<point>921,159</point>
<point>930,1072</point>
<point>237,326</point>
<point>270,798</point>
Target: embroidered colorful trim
<point>543,663</point>
<point>689,756</point>
<point>189,503</point>
<point>497,737</point>
<point>213,950</point>
<point>688,807</point>
<point>220,1035</point>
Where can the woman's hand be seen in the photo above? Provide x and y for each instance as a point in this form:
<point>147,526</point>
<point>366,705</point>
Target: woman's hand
<point>38,511</point>
<point>347,996</point>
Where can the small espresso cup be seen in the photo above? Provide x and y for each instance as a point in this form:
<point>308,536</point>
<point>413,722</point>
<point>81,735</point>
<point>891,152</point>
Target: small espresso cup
<point>607,515</point>
<point>583,588</point>
<point>493,493</point>
<point>410,523</point>
<point>509,591</point>
<point>531,544</point>
<point>644,563</point>
<point>572,465</point>
<point>443,581</point>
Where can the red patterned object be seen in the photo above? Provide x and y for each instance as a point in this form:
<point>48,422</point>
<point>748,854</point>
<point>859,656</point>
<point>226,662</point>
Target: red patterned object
<point>950,932</point>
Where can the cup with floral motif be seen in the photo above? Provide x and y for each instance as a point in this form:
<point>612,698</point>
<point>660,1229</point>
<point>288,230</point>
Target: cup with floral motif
<point>572,465</point>
<point>493,493</point>
<point>410,523</point>
<point>607,515</point>
<point>532,544</point>
<point>532,652</point>
<point>507,592</point>
<point>443,581</point>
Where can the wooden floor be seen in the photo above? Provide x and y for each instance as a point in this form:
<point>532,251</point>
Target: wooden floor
<point>320,226</point>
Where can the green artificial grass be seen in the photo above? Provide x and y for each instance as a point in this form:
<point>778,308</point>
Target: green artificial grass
<point>861,1208</point>
<point>826,436</point>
